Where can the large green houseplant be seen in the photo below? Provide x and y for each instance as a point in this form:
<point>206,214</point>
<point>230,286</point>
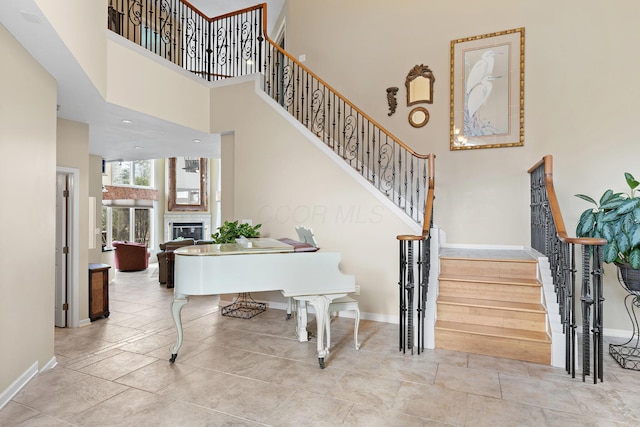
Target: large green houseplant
<point>230,231</point>
<point>616,218</point>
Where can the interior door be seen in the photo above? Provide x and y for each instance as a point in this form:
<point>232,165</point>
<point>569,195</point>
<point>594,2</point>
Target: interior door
<point>62,237</point>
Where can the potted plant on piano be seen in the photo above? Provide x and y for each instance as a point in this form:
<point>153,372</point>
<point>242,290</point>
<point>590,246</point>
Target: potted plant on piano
<point>616,218</point>
<point>230,231</point>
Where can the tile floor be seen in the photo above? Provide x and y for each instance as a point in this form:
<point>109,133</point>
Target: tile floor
<point>255,373</point>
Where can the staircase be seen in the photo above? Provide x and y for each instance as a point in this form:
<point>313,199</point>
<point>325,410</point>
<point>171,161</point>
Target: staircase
<point>489,303</point>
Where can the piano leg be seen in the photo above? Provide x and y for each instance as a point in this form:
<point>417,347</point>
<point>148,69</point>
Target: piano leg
<point>179,301</point>
<point>289,307</point>
<point>301,321</point>
<point>320,305</point>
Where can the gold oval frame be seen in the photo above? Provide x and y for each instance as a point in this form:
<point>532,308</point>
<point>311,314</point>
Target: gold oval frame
<point>418,123</point>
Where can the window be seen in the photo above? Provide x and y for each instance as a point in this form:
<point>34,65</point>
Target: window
<point>137,172</point>
<point>127,213</point>
<point>127,224</point>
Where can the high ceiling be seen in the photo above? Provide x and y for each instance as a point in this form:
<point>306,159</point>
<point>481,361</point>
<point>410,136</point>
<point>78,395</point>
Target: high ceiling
<point>146,137</point>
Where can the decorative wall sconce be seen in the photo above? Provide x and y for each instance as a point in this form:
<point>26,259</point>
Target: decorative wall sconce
<point>391,99</point>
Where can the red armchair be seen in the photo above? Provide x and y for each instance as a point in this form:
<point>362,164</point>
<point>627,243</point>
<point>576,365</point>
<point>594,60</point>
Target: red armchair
<point>131,256</point>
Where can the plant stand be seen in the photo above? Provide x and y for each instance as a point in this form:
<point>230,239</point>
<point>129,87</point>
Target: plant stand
<point>628,354</point>
<point>244,307</point>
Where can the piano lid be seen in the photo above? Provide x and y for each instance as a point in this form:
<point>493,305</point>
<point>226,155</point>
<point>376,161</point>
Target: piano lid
<point>257,245</point>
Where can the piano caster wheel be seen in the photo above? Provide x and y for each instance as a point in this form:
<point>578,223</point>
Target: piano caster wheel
<point>321,362</point>
<point>173,357</point>
<point>288,316</point>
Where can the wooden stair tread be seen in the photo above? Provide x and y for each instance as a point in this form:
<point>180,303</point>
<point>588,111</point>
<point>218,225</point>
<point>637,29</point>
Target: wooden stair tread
<point>500,305</point>
<point>493,331</point>
<point>480,259</point>
<point>486,254</point>
<point>489,279</point>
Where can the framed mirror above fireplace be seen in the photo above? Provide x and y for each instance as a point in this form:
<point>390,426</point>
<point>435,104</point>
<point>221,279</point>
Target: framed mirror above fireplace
<point>188,184</point>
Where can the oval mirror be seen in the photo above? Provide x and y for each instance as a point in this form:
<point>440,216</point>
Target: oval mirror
<point>418,117</point>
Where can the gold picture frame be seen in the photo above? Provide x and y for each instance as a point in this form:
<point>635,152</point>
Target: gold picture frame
<point>487,91</point>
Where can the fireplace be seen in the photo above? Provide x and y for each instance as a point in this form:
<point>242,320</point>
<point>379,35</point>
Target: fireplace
<point>187,230</point>
<point>188,226</point>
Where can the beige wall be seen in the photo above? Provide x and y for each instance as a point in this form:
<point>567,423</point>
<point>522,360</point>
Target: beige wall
<point>95,190</point>
<point>136,81</point>
<point>281,180</point>
<point>73,152</point>
<point>580,101</point>
<point>73,17</point>
<point>27,220</point>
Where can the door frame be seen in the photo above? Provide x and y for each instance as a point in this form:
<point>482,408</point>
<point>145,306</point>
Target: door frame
<point>73,257</point>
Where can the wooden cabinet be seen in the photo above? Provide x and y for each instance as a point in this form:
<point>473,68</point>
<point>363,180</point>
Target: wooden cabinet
<point>98,291</point>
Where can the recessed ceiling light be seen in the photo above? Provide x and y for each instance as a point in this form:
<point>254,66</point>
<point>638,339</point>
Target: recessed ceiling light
<point>197,141</point>
<point>126,122</point>
<point>138,147</point>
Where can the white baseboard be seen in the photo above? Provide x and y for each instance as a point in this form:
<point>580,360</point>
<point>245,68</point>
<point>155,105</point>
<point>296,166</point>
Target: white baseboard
<point>617,333</point>
<point>348,314</point>
<point>49,365</point>
<point>18,384</point>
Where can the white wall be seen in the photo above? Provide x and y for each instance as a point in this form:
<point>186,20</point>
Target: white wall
<point>27,217</point>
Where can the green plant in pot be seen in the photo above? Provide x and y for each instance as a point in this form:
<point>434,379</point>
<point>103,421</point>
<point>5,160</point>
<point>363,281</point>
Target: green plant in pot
<point>230,231</point>
<point>616,218</point>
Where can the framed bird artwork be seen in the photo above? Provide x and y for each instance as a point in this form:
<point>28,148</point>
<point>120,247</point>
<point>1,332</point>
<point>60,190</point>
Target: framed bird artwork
<point>487,91</point>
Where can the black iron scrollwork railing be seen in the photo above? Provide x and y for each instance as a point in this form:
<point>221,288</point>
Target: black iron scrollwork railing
<point>213,48</point>
<point>235,44</point>
<point>386,162</point>
<point>413,282</point>
<point>549,236</point>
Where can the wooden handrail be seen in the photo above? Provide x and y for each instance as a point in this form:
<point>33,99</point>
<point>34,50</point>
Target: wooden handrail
<point>428,209</point>
<point>555,207</point>
<point>226,15</point>
<point>263,6</point>
<point>341,96</point>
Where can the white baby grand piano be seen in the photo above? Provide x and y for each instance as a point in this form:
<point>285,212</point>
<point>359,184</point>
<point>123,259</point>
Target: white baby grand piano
<point>261,264</point>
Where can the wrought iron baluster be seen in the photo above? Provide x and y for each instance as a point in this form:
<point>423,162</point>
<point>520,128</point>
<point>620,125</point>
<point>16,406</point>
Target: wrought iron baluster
<point>401,284</point>
<point>587,300</point>
<point>597,314</point>
<point>571,307</point>
<point>409,289</point>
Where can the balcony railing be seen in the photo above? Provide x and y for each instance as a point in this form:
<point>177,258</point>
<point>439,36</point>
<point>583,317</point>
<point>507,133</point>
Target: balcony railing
<point>230,45</point>
<point>549,236</point>
<point>235,44</point>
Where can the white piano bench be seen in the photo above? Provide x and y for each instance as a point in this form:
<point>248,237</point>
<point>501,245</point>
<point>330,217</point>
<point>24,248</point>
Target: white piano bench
<point>344,304</point>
